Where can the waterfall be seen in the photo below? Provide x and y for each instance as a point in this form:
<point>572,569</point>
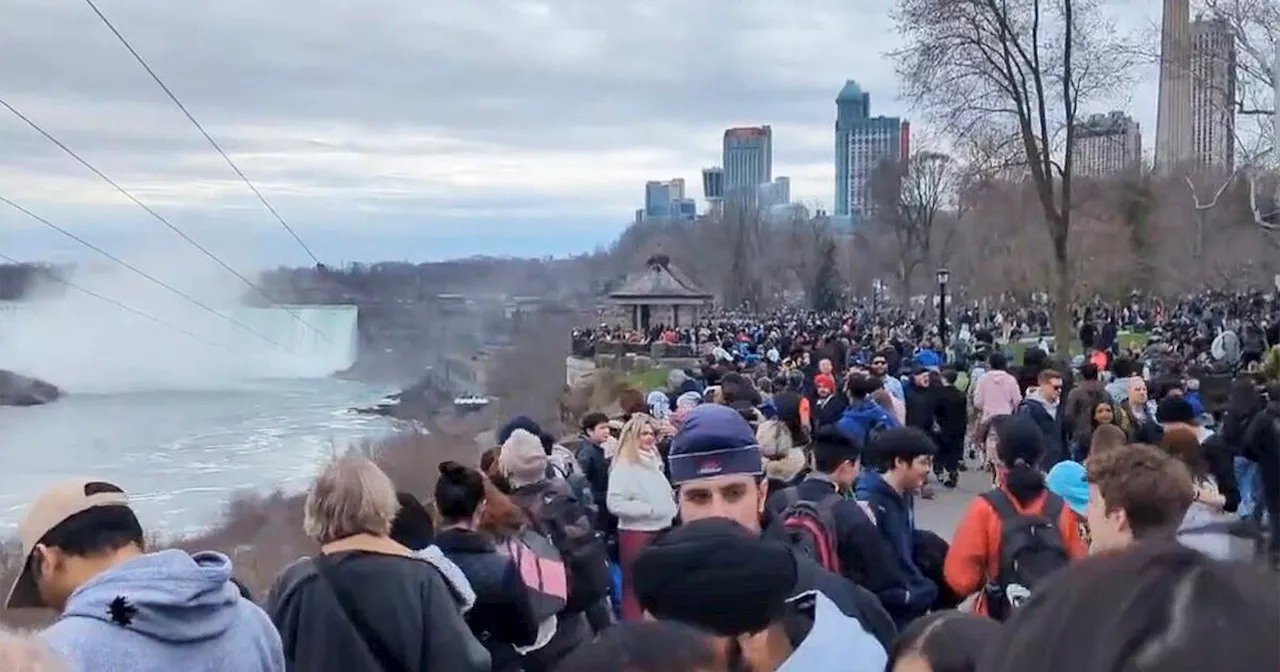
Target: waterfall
<point>111,350</point>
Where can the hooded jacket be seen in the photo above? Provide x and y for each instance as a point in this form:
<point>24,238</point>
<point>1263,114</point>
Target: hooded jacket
<point>836,642</point>
<point>896,524</point>
<point>858,420</point>
<point>165,611</point>
<point>996,393</point>
<point>1052,427</point>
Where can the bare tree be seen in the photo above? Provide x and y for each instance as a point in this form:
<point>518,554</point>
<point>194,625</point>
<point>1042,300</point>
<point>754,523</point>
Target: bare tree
<point>1021,67</point>
<point>913,210</point>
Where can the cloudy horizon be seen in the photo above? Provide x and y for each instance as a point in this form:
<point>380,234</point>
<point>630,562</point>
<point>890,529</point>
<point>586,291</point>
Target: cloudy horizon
<point>419,131</point>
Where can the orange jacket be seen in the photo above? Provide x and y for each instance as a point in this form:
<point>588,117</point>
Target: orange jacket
<point>974,556</point>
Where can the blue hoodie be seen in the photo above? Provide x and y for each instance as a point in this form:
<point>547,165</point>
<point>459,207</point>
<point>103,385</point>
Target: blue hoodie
<point>836,642</point>
<point>857,421</point>
<point>180,612</point>
<point>895,520</point>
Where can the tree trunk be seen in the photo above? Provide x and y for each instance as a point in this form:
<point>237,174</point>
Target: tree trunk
<point>1062,295</point>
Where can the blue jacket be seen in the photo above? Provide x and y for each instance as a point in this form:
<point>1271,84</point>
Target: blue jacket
<point>165,611</point>
<point>895,519</point>
<point>858,421</point>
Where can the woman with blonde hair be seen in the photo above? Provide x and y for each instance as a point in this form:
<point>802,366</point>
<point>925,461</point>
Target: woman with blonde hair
<point>365,601</point>
<point>640,496</point>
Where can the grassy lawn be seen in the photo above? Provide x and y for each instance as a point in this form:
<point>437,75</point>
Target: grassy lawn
<point>647,379</point>
<point>1127,340</point>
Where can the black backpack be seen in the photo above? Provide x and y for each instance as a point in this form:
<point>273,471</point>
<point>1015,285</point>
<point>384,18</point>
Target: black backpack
<point>811,527</point>
<point>556,513</point>
<point>1031,548</point>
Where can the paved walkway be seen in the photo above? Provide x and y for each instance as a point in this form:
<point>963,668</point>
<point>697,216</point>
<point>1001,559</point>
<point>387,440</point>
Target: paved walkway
<point>941,514</point>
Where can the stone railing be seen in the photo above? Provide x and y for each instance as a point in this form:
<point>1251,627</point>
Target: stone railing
<point>587,349</point>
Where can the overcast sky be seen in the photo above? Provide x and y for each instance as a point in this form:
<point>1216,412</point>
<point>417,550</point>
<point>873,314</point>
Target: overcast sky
<point>419,129</point>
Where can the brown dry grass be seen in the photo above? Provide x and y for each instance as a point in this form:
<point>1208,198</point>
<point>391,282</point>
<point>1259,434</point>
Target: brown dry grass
<point>263,533</point>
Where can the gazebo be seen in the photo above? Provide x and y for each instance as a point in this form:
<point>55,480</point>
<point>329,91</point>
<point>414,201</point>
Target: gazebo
<point>659,295</point>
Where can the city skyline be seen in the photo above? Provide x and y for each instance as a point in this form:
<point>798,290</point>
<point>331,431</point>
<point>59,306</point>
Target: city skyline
<point>430,132</point>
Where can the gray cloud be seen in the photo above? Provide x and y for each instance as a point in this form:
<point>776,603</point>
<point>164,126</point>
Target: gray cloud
<point>405,111</point>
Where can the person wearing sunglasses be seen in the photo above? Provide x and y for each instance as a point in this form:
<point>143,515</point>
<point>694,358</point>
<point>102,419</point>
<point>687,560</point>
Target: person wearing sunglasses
<point>1043,405</point>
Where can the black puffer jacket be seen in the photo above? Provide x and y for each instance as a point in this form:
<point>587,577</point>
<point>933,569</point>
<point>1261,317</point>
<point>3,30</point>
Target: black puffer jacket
<point>502,617</point>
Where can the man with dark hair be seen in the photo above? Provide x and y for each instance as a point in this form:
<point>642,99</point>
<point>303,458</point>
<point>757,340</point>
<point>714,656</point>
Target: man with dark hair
<point>864,558</point>
<point>900,461</point>
<point>863,418</point>
<point>122,608</point>
<point>1082,399</point>
<point>595,466</point>
<point>953,420</point>
<point>1135,494</point>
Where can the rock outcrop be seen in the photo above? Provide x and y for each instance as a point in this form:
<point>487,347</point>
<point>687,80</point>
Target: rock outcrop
<point>16,390</point>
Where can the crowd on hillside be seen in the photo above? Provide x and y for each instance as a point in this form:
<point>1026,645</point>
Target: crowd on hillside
<point>758,513</point>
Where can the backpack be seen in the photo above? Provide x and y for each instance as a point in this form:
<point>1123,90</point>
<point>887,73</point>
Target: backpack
<point>1031,548</point>
<point>569,525</point>
<point>541,569</point>
<point>811,527</point>
<point>873,430</point>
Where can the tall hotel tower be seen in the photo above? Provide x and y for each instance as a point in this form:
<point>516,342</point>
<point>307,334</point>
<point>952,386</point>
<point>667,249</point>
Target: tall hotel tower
<point>1173,116</point>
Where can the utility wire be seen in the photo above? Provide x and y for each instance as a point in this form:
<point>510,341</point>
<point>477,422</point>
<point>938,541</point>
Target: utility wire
<point>147,316</point>
<point>137,270</point>
<point>200,127</point>
<point>160,218</point>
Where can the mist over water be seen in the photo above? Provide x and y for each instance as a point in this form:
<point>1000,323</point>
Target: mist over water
<point>89,346</point>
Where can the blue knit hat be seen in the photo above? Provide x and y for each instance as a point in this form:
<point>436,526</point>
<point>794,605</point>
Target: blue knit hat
<point>714,441</point>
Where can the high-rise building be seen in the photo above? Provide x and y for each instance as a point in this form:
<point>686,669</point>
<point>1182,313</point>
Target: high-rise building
<point>863,143</point>
<point>748,161</point>
<point>661,197</point>
<point>1213,94</point>
<point>713,189</point>
<point>777,192</point>
<point>1173,114</point>
<point>1106,144</point>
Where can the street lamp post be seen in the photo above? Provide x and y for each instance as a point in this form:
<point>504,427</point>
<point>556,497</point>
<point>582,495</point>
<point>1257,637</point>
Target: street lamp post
<point>943,277</point>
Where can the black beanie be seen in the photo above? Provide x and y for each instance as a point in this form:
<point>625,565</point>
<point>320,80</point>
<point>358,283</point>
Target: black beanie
<point>1175,409</point>
<point>715,575</point>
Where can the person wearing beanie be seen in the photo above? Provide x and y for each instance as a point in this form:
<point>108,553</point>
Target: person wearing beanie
<point>718,576</point>
<point>523,461</point>
<point>830,406</point>
<point>718,472</point>
<point>553,508</point>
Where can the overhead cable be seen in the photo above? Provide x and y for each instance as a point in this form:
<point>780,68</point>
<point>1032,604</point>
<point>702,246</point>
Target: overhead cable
<point>200,127</point>
<point>125,307</point>
<point>139,271</point>
<point>157,216</point>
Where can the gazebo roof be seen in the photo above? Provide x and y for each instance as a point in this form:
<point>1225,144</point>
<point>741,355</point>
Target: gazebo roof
<point>660,280</point>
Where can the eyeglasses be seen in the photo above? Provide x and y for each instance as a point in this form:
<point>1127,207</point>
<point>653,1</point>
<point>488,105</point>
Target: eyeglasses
<point>878,362</point>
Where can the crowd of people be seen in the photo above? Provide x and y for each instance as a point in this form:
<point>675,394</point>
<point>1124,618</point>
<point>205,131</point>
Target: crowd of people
<point>758,513</point>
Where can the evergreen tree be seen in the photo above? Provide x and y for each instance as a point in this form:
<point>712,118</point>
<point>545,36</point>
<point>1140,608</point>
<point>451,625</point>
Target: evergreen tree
<point>826,294</point>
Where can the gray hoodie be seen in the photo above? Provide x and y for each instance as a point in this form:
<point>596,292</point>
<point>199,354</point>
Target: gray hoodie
<point>165,611</point>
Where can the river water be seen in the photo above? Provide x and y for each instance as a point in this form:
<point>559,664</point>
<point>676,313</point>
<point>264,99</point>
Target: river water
<point>181,455</point>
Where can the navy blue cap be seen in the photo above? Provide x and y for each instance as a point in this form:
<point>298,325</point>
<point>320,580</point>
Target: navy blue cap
<point>714,441</point>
